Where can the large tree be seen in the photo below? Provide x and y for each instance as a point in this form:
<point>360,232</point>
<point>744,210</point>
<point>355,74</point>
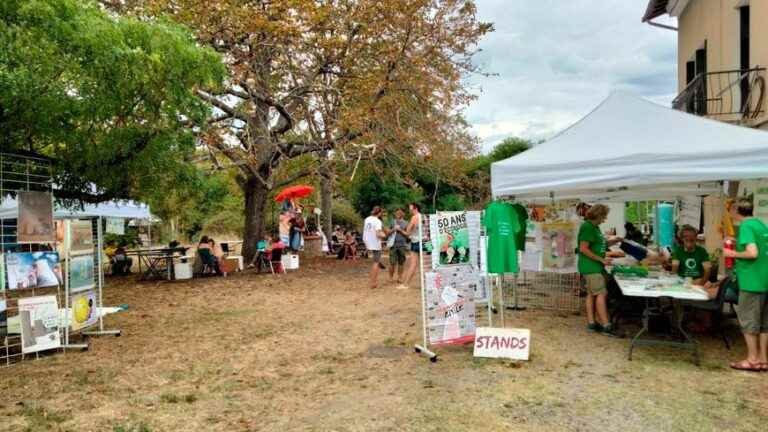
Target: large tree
<point>335,79</point>
<point>108,98</point>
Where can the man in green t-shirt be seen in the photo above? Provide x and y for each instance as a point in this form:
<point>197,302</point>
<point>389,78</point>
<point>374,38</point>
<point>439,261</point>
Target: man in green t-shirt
<point>752,276</point>
<point>591,265</point>
<point>690,260</point>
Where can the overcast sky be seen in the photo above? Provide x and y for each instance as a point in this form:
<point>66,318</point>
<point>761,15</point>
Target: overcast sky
<point>557,59</point>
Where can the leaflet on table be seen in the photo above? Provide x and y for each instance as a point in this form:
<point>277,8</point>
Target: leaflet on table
<point>450,309</point>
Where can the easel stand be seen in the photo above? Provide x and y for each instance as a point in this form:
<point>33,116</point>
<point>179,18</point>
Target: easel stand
<point>422,349</point>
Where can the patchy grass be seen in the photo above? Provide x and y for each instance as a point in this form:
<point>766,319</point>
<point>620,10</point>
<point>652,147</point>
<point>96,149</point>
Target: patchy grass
<point>316,350</point>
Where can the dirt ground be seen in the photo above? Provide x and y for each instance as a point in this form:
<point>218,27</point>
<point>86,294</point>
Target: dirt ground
<point>318,351</point>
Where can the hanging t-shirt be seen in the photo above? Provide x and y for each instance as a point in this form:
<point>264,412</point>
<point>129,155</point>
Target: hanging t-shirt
<point>501,227</point>
<point>522,219</point>
<point>691,263</point>
<point>592,235</point>
<point>752,274</point>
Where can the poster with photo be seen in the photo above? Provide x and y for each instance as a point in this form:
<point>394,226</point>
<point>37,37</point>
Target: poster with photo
<point>115,226</point>
<point>2,272</point>
<point>81,273</point>
<point>33,270</point>
<point>3,318</point>
<point>450,239</point>
<point>81,235</point>
<point>84,310</point>
<point>450,309</point>
<point>35,221</point>
<point>557,243</point>
<point>39,318</point>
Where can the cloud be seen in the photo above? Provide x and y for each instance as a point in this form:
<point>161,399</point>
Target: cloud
<point>555,60</point>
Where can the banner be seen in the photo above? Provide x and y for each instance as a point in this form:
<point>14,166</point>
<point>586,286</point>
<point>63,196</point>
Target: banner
<point>81,273</point>
<point>81,236</point>
<point>508,343</point>
<point>35,222</point>
<point>115,226</point>
<point>84,310</point>
<point>39,317</point>
<point>450,239</point>
<point>33,270</point>
<point>557,243</point>
<point>450,309</point>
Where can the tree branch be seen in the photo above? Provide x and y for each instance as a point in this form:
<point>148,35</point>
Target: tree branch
<point>220,105</point>
<point>293,178</point>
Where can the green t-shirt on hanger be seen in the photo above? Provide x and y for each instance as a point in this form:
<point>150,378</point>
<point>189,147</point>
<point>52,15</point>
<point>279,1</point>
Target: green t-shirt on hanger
<point>522,219</point>
<point>501,227</point>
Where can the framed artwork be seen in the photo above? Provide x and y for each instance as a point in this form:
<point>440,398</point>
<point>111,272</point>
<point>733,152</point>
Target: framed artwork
<point>35,222</point>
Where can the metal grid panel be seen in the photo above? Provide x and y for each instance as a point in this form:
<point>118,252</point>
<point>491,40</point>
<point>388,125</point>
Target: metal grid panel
<point>20,173</point>
<point>543,290</point>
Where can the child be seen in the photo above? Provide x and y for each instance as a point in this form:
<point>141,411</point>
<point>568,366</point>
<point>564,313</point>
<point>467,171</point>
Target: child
<point>350,246</point>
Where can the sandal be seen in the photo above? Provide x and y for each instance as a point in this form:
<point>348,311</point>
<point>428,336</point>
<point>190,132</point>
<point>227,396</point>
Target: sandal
<point>748,366</point>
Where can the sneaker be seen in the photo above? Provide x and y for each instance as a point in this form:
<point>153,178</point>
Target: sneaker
<point>594,328</point>
<point>608,330</point>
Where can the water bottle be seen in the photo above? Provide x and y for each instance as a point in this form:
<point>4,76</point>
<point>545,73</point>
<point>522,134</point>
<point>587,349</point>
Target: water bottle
<point>729,245</point>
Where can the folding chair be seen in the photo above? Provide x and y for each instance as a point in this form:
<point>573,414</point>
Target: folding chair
<point>715,306</point>
<point>276,260</point>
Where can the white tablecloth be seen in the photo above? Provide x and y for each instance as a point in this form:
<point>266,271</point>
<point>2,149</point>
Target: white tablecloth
<point>649,287</point>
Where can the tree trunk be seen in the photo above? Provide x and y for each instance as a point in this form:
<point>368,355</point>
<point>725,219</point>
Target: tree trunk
<point>256,195</point>
<point>326,201</point>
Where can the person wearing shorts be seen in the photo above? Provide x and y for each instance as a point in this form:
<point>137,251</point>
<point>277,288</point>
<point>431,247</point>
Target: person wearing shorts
<point>751,270</point>
<point>373,233</point>
<point>399,250</point>
<point>415,235</point>
<point>591,263</point>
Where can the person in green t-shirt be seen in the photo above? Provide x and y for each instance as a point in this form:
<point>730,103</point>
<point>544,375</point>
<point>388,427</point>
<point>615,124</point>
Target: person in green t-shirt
<point>591,265</point>
<point>752,276</point>
<point>691,260</point>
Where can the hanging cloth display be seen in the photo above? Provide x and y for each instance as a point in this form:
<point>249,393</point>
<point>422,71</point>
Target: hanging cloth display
<point>522,219</point>
<point>502,226</point>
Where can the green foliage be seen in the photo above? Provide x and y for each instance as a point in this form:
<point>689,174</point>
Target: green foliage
<point>345,215</point>
<point>106,97</point>
<point>373,189</point>
<point>452,201</point>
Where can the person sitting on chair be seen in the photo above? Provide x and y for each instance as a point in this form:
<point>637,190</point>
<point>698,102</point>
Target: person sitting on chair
<point>350,246</point>
<point>207,257</point>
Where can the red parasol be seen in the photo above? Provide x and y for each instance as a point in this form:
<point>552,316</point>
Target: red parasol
<point>291,192</point>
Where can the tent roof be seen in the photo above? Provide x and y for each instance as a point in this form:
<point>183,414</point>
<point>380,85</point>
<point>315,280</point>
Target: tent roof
<point>631,147</point>
<point>125,210</point>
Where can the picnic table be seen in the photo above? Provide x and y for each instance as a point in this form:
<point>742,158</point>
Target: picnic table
<point>653,289</point>
<point>158,261</point>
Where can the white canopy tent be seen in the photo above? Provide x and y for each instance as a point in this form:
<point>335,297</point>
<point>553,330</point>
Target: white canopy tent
<point>632,149</point>
<point>124,210</point>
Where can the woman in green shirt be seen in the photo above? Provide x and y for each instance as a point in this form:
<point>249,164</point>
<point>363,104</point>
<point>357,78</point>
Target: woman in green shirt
<point>592,262</point>
<point>752,276</point>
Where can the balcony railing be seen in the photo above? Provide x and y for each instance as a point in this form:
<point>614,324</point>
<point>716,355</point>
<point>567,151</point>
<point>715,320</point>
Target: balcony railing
<point>735,95</point>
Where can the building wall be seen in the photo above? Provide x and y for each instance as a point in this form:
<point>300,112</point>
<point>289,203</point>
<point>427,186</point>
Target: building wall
<point>717,23</point>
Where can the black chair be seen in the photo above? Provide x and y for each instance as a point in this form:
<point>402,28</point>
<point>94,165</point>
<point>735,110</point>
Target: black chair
<point>715,306</point>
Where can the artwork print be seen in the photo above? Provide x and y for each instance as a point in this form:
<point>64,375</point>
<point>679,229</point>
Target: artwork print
<point>81,235</point>
<point>33,270</point>
<point>35,222</point>
<point>81,273</point>
<point>39,318</point>
<point>84,310</point>
<point>115,226</point>
<point>558,247</point>
<point>451,239</point>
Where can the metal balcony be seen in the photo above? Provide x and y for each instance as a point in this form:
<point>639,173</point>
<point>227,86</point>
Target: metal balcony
<point>735,95</point>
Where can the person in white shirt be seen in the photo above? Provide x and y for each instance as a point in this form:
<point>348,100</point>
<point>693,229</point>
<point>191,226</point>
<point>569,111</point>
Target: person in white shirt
<point>373,233</point>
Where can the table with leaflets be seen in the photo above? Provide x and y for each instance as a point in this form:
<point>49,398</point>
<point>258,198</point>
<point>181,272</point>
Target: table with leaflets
<point>662,295</point>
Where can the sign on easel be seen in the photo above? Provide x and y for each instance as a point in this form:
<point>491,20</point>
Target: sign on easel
<point>514,344</point>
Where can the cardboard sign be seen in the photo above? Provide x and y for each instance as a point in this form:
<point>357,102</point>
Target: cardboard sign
<point>513,344</point>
